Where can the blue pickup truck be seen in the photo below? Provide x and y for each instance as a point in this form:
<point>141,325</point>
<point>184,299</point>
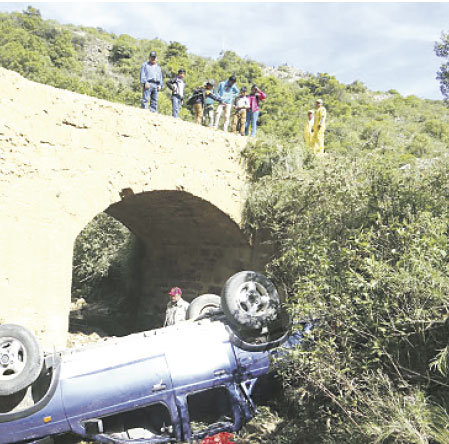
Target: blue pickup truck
<point>174,384</point>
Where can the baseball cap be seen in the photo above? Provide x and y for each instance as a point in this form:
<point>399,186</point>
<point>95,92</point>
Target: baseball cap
<point>153,54</point>
<point>232,78</point>
<point>175,291</point>
<point>181,70</point>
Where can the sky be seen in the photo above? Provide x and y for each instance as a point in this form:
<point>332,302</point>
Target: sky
<point>384,45</point>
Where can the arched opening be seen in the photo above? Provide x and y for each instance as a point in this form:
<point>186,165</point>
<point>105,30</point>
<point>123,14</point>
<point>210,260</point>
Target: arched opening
<point>172,238</point>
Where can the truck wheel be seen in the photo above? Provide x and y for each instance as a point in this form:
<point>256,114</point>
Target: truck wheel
<point>250,301</point>
<point>203,304</point>
<point>21,359</point>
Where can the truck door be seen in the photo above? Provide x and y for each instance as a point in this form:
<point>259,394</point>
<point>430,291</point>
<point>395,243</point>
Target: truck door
<point>118,388</point>
<point>209,411</point>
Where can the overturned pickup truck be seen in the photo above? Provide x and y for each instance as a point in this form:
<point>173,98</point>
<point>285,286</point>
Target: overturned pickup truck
<point>178,383</point>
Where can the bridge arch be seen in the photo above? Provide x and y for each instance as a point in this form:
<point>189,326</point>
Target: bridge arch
<point>184,241</point>
<point>66,157</point>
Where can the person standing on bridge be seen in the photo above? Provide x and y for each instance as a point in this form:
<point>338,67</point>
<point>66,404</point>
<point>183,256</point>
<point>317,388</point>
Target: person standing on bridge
<point>241,106</point>
<point>176,307</point>
<point>209,101</point>
<point>177,86</point>
<point>254,110</point>
<point>227,91</point>
<point>152,82</point>
<point>308,129</point>
<point>201,98</point>
<point>319,126</point>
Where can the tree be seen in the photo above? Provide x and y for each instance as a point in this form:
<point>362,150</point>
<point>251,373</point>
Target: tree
<point>441,49</point>
<point>32,12</point>
<point>123,48</point>
<point>176,49</point>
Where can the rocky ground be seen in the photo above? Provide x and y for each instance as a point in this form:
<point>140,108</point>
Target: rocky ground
<point>284,72</point>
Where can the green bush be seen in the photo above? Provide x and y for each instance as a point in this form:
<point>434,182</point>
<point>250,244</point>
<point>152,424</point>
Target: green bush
<point>123,48</point>
<point>361,244</point>
<point>96,248</point>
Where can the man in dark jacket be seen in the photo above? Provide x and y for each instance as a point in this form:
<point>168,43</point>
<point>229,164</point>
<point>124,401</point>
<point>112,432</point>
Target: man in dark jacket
<point>177,86</point>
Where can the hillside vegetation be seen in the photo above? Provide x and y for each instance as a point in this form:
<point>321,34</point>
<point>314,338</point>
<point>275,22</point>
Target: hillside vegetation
<point>361,234</point>
<point>94,62</point>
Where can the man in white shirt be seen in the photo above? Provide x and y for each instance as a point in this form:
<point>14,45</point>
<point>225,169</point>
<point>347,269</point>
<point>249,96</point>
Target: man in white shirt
<point>176,307</point>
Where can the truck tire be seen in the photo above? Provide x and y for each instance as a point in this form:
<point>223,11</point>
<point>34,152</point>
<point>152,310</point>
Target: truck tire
<point>21,359</point>
<point>250,301</point>
<point>203,304</point>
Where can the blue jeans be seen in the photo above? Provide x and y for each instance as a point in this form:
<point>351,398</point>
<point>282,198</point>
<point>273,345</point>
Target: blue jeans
<point>151,95</point>
<point>251,119</point>
<point>175,105</point>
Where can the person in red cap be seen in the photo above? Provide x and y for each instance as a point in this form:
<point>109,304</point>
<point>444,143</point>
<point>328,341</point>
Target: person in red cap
<point>176,307</point>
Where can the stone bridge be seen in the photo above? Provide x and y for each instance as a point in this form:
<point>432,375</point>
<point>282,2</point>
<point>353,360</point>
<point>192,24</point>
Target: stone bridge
<point>66,157</point>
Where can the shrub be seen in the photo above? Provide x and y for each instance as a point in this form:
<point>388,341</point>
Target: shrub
<point>361,244</point>
<point>99,246</point>
<point>123,48</point>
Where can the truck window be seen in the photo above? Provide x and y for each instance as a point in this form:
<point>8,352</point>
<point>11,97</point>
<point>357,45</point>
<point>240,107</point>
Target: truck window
<point>209,408</point>
<point>146,422</point>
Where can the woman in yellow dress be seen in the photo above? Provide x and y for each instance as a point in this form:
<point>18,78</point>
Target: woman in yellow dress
<point>308,129</point>
<point>319,126</point>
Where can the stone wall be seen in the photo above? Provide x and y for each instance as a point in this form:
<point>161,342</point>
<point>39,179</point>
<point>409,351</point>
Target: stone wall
<point>189,243</point>
<point>66,157</point>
